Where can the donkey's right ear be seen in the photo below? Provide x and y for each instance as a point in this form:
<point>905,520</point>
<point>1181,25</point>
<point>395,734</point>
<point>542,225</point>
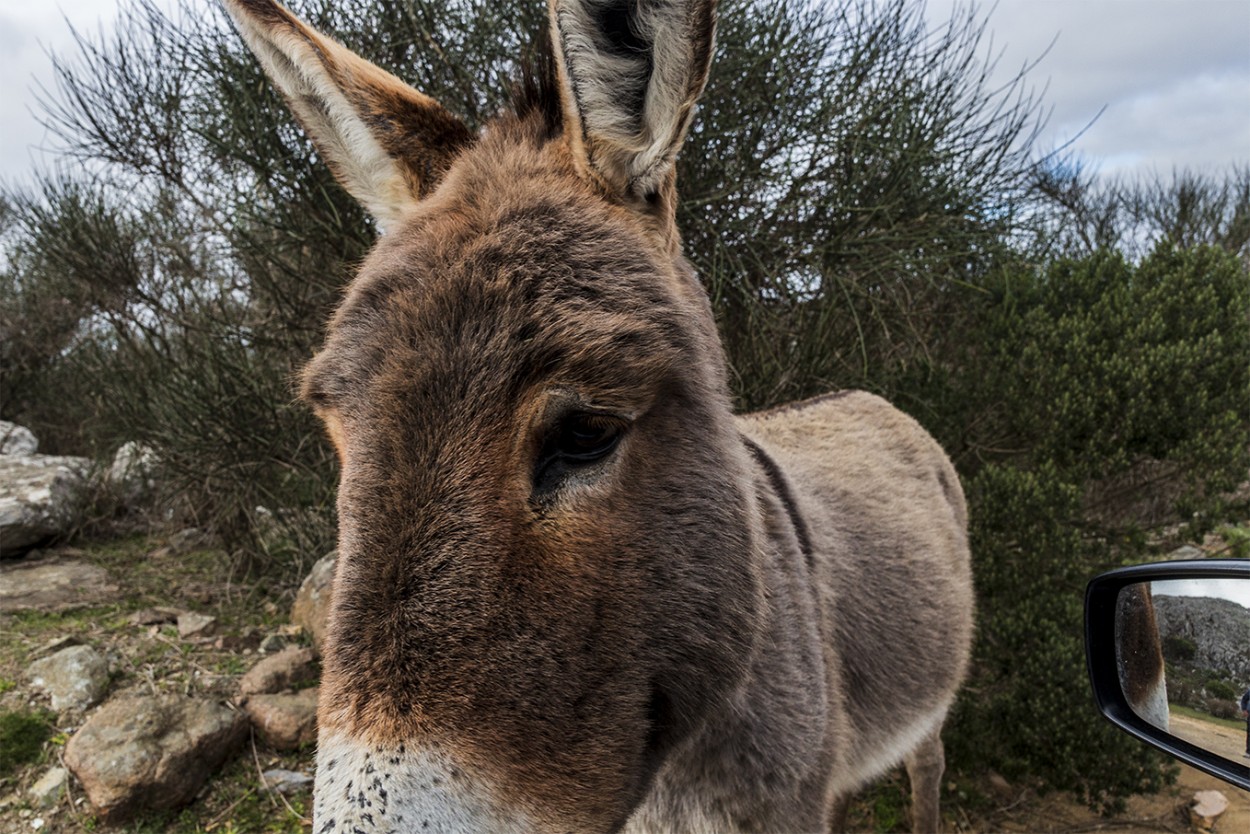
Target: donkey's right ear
<point>388,144</point>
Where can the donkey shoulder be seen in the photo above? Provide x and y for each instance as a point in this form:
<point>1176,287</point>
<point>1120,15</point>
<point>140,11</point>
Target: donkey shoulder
<point>859,441</point>
<point>876,491</point>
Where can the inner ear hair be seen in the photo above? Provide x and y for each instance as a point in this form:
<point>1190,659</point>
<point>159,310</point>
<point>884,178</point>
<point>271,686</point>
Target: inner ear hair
<point>631,72</point>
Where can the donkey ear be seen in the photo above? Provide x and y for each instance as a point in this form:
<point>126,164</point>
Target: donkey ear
<point>385,142</point>
<point>630,74</point>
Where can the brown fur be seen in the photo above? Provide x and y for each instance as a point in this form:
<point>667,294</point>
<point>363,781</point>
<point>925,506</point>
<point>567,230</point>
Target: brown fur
<point>727,624</point>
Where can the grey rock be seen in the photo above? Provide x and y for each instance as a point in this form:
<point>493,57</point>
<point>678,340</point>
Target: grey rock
<point>38,499</point>
<point>151,752</point>
<point>75,678</point>
<point>311,610</point>
<point>16,440</point>
<point>188,539</point>
<point>132,472</point>
<point>191,624</point>
<point>287,669</point>
<point>284,721</point>
<point>49,788</point>
<point>286,781</point>
<point>52,583</point>
<point>271,644</point>
<point>1218,628</point>
<point>1187,551</point>
<point>154,616</point>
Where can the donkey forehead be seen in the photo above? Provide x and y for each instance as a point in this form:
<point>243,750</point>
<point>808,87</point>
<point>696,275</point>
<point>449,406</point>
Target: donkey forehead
<point>553,288</point>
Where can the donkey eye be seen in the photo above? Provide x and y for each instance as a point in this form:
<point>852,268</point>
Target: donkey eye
<point>587,437</point>
<point>577,441</point>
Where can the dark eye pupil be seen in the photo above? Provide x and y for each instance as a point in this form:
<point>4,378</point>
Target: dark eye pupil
<point>575,443</point>
<point>587,438</point>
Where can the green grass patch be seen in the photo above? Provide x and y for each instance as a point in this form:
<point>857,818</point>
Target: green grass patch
<point>1189,712</point>
<point>883,807</point>
<point>22,736</point>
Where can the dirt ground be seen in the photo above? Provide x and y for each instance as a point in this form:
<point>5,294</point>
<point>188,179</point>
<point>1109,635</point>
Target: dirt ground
<point>1227,741</point>
<point>1167,811</point>
<point>237,802</point>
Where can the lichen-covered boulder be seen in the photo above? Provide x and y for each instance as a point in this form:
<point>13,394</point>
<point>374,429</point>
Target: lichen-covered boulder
<point>52,581</point>
<point>74,678</point>
<point>16,440</point>
<point>37,499</point>
<point>151,752</point>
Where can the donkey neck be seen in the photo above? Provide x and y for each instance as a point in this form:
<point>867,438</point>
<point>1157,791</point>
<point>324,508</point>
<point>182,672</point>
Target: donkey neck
<point>741,759</point>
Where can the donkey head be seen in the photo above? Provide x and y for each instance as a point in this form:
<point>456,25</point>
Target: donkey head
<point>545,577</point>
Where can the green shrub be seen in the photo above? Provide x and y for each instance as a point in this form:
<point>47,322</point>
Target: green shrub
<point>1221,689</point>
<point>1237,537</point>
<point>1081,374</point>
<point>1179,649</point>
<point>22,736</point>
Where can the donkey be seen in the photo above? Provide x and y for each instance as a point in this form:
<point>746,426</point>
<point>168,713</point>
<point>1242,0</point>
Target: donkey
<point>574,592</point>
<point>1139,655</point>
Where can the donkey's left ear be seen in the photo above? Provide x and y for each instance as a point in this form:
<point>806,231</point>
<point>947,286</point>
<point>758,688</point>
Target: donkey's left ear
<point>630,74</point>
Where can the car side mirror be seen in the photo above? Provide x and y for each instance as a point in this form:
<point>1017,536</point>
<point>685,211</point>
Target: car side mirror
<point>1168,648</point>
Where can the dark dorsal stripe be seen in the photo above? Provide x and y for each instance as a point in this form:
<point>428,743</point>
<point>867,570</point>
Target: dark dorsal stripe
<point>782,487</point>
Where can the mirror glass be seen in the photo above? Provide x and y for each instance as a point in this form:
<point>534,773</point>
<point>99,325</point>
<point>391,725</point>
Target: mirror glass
<point>1183,650</point>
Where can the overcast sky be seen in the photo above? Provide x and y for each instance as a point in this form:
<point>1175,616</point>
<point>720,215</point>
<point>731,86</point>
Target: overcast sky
<point>1173,75</point>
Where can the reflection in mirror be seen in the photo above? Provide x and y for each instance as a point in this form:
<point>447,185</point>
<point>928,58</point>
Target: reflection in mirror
<point>1183,654</point>
<point>1139,655</point>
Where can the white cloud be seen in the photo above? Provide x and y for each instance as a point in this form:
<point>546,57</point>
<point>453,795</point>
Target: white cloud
<point>28,29</point>
<point>1172,75</point>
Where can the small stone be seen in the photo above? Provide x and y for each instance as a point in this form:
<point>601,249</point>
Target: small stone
<point>74,678</point>
<point>272,643</point>
<point>191,624</point>
<point>1206,808</point>
<point>1187,551</point>
<point>50,788</point>
<point>287,669</point>
<point>1000,784</point>
<point>187,540</point>
<point>287,721</point>
<point>286,781</point>
<point>37,823</point>
<point>237,642</point>
<point>154,616</point>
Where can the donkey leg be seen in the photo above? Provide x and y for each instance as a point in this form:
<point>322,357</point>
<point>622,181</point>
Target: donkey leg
<point>838,807</point>
<point>925,766</point>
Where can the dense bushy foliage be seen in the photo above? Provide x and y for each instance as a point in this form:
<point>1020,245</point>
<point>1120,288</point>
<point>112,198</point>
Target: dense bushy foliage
<point>864,213</point>
<point>1108,397</point>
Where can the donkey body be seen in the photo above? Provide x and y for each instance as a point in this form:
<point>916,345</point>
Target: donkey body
<point>574,593</point>
<point>1139,652</point>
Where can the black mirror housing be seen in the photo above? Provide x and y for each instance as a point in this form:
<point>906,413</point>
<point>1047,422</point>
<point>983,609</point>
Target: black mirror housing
<point>1106,663</point>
